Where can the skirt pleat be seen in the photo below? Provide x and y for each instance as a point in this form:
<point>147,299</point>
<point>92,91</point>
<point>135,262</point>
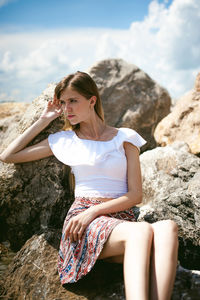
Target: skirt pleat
<point>76,259</point>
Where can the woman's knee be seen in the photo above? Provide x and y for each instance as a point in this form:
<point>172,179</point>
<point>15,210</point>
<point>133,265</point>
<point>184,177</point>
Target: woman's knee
<point>166,229</point>
<point>138,231</point>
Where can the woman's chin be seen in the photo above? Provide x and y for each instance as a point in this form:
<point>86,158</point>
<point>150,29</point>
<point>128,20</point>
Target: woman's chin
<point>73,122</point>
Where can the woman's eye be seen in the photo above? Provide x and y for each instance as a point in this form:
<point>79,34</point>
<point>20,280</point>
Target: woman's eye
<point>73,100</point>
<point>62,102</point>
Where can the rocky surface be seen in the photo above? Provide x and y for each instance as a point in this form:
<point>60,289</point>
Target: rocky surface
<point>171,177</point>
<point>10,115</point>
<point>8,109</point>
<point>130,97</point>
<point>33,195</point>
<point>33,276</point>
<point>183,123</point>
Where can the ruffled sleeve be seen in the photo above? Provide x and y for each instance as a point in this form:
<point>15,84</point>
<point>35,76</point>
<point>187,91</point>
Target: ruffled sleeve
<point>61,145</point>
<point>131,136</point>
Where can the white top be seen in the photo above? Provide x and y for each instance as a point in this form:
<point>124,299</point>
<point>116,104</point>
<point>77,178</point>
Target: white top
<point>99,167</point>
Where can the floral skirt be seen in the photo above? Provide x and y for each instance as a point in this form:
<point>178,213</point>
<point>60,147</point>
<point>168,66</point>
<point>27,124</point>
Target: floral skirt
<point>76,259</point>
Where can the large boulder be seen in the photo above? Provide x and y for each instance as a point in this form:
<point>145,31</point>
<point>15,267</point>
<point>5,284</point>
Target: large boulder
<point>10,115</point>
<point>33,195</point>
<point>130,97</point>
<point>171,177</point>
<point>182,124</point>
<point>33,276</point>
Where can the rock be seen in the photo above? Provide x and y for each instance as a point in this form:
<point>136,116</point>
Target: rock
<point>183,123</point>
<point>31,114</point>
<point>187,284</point>
<point>130,97</point>
<point>8,109</point>
<point>197,83</point>
<point>10,115</point>
<point>33,275</point>
<point>6,257</point>
<point>171,177</point>
<point>33,195</point>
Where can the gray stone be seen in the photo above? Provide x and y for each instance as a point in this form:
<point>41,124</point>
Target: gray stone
<point>130,97</point>
<point>33,195</point>
<point>171,191</point>
<point>10,115</point>
<point>183,123</point>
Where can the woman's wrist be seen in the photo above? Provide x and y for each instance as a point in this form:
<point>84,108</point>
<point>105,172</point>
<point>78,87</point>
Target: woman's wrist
<point>94,211</point>
<point>44,121</point>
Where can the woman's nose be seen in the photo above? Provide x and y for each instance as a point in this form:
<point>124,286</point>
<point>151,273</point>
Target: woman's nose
<point>67,107</point>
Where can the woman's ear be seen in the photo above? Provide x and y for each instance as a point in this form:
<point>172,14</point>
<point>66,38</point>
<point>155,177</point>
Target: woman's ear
<point>93,100</point>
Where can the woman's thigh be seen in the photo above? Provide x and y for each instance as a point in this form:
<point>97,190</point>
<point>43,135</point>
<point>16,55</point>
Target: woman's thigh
<point>115,244</point>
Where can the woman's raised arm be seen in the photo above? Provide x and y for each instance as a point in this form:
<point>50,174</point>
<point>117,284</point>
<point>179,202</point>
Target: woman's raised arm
<point>17,151</point>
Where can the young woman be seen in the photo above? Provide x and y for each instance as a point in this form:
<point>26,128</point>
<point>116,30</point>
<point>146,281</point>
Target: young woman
<point>100,223</point>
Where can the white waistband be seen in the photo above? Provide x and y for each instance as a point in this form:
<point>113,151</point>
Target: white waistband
<point>104,188</point>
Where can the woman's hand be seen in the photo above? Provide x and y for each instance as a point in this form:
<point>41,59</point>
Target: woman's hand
<point>77,224</point>
<point>52,110</point>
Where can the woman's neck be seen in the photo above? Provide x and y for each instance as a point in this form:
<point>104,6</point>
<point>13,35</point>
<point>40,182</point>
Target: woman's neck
<point>92,129</point>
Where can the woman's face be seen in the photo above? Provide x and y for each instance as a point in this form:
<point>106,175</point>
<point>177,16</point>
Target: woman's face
<point>75,106</point>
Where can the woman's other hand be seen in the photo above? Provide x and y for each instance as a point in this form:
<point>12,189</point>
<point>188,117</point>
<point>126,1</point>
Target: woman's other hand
<point>77,224</point>
<point>52,110</point>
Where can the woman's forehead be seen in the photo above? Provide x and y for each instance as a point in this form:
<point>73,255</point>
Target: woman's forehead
<point>69,93</point>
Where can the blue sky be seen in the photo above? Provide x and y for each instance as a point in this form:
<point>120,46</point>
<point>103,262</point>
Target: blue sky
<point>50,14</point>
<point>42,41</point>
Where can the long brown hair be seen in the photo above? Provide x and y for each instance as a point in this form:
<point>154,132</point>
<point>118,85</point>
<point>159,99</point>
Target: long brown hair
<point>83,84</point>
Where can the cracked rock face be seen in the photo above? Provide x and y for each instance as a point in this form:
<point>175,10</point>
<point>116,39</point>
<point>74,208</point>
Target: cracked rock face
<point>183,123</point>
<point>171,177</point>
<point>130,97</point>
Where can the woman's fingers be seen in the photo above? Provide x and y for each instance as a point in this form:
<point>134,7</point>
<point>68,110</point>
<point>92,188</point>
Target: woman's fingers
<point>55,99</point>
<point>74,230</point>
<point>80,232</point>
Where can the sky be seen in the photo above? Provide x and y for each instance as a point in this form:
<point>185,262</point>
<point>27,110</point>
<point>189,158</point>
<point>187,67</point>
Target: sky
<point>41,41</point>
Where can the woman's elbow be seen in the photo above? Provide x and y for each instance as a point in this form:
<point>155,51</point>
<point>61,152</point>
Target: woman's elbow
<point>137,197</point>
<point>5,158</point>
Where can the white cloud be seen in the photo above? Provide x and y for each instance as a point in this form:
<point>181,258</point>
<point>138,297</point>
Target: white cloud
<point>165,45</point>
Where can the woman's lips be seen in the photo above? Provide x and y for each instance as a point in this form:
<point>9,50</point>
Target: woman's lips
<point>70,116</point>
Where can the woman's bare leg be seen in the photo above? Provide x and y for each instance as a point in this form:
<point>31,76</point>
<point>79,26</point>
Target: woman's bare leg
<point>134,240</point>
<point>164,259</point>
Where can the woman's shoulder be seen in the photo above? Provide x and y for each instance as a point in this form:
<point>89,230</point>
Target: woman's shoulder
<point>131,136</point>
<point>62,134</point>
<point>126,130</point>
